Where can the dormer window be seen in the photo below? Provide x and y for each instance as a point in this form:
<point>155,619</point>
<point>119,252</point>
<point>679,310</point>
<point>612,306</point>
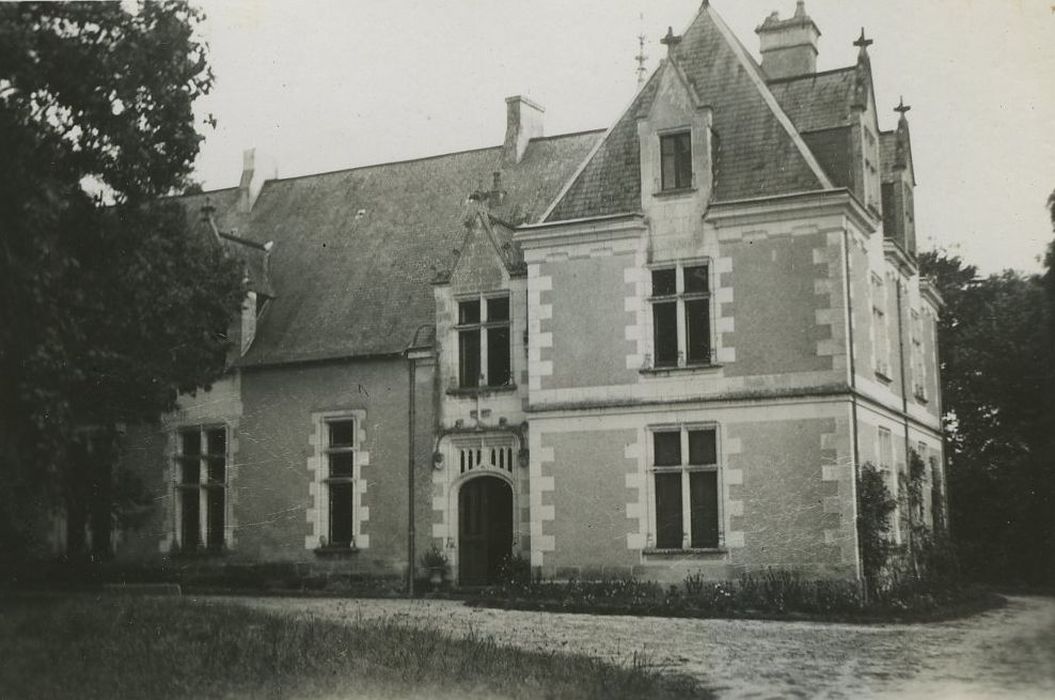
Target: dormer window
<point>484,342</point>
<point>675,161</point>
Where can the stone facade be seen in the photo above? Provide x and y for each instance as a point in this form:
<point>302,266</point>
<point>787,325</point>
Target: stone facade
<point>687,386</point>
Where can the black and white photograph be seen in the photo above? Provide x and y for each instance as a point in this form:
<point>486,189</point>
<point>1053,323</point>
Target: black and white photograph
<point>538,349</point>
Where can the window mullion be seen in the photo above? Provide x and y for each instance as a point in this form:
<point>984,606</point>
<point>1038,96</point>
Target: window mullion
<point>686,500</point>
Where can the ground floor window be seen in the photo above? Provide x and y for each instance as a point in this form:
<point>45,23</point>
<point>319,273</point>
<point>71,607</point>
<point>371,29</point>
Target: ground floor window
<point>201,487</point>
<point>340,481</point>
<point>686,488</point>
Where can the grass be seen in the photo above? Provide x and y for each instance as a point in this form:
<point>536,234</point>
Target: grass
<point>109,647</point>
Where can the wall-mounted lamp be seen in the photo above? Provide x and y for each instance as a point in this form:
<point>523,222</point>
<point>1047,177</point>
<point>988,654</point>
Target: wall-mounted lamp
<point>437,460</point>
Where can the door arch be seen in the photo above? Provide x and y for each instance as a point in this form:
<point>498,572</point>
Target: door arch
<point>485,529</point>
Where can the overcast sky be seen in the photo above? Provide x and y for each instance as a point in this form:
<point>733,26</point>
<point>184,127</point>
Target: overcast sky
<point>329,85</point>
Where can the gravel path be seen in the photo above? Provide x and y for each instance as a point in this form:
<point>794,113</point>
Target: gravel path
<point>1002,653</point>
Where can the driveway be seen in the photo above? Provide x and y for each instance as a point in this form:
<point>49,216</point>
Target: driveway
<point>1002,653</point>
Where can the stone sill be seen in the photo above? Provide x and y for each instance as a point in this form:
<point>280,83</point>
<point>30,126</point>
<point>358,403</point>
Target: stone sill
<point>667,371</point>
<point>680,192</point>
<point>921,398</point>
<point>882,377</point>
<point>697,552</point>
<point>336,552</point>
<point>472,392</point>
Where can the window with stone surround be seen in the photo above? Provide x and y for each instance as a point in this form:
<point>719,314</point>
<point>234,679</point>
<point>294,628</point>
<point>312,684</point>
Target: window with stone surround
<point>919,367</point>
<point>881,349</point>
<point>675,153</point>
<point>886,466</point>
<point>484,342</point>
<point>681,315</point>
<point>201,487</point>
<point>684,466</point>
<point>339,480</point>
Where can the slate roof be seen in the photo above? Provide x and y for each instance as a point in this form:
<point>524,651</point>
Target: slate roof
<point>819,101</point>
<point>355,251</point>
<point>759,156</point>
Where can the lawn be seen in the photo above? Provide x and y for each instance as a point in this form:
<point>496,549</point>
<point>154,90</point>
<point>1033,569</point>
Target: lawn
<point>123,647</point>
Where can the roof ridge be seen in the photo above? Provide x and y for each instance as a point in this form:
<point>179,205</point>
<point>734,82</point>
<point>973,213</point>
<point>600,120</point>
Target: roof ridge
<point>768,97</point>
<point>566,135</point>
<point>804,76</point>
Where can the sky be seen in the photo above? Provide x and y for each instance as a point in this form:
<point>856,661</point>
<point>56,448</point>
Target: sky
<point>325,85</point>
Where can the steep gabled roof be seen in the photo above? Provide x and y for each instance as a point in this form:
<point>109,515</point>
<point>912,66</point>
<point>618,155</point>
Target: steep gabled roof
<point>356,250</point>
<point>895,152</point>
<point>761,152</point>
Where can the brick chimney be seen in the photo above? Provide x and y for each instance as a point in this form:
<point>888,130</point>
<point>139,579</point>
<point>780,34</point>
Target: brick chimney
<point>789,46</point>
<point>256,169</point>
<point>523,123</point>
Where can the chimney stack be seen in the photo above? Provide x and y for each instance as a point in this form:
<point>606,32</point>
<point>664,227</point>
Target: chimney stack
<point>789,46</point>
<point>256,169</point>
<point>523,123</point>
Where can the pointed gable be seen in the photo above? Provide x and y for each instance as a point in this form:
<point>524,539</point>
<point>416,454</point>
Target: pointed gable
<point>760,153</point>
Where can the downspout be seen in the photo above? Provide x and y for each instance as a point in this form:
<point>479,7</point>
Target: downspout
<point>904,405</point>
<point>412,362</point>
<point>853,400</point>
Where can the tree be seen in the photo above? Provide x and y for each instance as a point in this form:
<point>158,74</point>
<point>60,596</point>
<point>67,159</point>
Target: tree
<point>996,370</point>
<point>110,303</point>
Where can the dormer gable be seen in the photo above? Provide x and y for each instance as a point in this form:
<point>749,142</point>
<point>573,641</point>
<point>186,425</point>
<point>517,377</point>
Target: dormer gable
<point>487,258</point>
<point>864,140</point>
<point>899,183</point>
<point>674,140</point>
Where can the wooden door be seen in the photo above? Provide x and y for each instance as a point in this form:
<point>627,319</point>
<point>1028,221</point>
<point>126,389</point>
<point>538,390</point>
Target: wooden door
<point>485,529</point>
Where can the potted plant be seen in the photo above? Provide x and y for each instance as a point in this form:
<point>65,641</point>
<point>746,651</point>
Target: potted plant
<point>436,562</point>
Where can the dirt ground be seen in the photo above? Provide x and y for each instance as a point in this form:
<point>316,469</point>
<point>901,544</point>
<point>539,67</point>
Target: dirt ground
<point>1003,653</point>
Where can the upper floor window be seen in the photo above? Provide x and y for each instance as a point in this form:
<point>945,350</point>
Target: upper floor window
<point>681,315</point>
<point>685,472</point>
<point>919,366</point>
<point>484,342</point>
<point>881,347</point>
<point>675,161</point>
<point>201,488</point>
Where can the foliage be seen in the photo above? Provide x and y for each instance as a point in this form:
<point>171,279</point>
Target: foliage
<point>434,558</point>
<point>995,345</point>
<point>874,507</point>
<point>179,648</point>
<point>106,312</point>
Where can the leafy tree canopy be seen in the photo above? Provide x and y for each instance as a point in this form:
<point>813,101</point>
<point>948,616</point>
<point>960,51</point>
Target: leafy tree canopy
<point>110,302</point>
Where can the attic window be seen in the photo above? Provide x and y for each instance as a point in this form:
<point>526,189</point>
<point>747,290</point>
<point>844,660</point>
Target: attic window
<point>675,161</point>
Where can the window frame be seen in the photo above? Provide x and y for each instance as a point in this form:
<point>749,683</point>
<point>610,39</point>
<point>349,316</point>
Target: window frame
<point>673,137</point>
<point>484,326</point>
<point>686,469</point>
<point>919,365</point>
<point>210,539</point>
<point>681,298</point>
<point>881,330</point>
<point>328,451</point>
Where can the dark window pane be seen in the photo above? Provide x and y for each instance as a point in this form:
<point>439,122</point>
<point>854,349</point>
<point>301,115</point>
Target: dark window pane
<point>703,505</point>
<point>217,469</point>
<point>469,311</point>
<point>663,282</point>
<point>696,279</point>
<point>340,514</point>
<point>667,449</point>
<point>469,358</point>
<point>498,356</point>
<point>342,433</point>
<point>190,442</point>
<point>215,517</point>
<point>190,470</point>
<point>498,309</point>
<point>189,509</point>
<point>668,511</point>
<point>675,161</point>
<point>703,447</point>
<point>665,332</point>
<point>217,441</point>
<point>341,464</point>
<point>698,328</point>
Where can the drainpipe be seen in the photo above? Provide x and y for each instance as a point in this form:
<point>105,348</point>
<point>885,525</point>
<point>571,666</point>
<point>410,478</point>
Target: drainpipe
<point>412,352</point>
<point>853,396</point>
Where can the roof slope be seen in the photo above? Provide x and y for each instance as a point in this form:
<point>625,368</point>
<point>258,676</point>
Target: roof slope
<point>760,154</point>
<point>356,251</point>
<point>817,101</point>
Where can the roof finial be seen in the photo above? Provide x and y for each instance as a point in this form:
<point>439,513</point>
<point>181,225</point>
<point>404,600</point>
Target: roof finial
<point>902,107</point>
<point>671,40</point>
<point>207,210</point>
<point>862,41</point>
<point>641,57</point>
<point>800,8</point>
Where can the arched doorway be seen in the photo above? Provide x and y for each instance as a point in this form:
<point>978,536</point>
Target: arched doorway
<point>485,529</point>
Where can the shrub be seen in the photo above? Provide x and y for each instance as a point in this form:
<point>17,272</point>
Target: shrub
<point>874,506</point>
